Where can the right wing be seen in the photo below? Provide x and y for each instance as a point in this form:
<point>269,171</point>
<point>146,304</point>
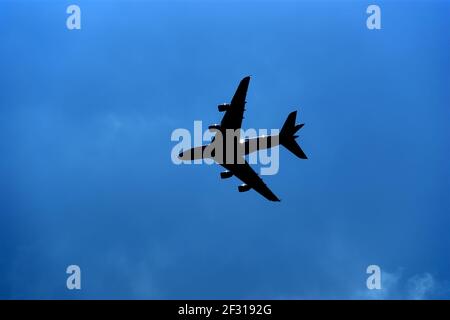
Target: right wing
<point>234,115</point>
<point>245,173</point>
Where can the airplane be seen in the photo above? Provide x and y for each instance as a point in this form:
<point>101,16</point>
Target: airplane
<point>239,167</point>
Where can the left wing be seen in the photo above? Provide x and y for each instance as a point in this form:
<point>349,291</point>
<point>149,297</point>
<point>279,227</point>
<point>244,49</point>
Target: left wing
<point>234,115</point>
<point>251,178</point>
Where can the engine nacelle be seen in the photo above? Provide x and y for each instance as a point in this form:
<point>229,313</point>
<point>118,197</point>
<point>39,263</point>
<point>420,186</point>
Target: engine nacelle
<point>223,107</point>
<point>226,174</point>
<point>244,187</point>
<point>214,127</point>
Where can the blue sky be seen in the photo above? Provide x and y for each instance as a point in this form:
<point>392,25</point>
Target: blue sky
<point>86,176</point>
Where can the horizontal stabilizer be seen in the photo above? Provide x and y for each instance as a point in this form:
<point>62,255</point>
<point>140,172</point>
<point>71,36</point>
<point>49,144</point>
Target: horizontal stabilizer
<point>287,136</point>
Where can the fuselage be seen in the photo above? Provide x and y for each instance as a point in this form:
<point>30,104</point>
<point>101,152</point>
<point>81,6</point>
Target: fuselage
<point>230,150</point>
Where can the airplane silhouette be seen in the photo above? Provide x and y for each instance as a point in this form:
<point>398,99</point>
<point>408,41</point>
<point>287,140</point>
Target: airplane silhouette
<point>235,164</point>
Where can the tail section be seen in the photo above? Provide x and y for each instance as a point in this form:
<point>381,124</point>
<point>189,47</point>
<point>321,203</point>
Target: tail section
<point>287,136</point>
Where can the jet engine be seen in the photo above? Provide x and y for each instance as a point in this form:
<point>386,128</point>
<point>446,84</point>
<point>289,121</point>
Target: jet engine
<point>244,188</point>
<point>223,107</point>
<point>226,174</point>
